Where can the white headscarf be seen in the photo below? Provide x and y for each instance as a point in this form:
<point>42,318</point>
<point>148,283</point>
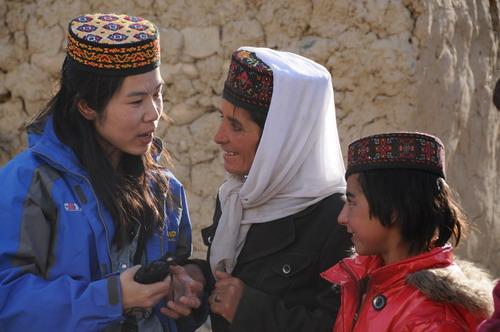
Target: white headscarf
<point>298,161</point>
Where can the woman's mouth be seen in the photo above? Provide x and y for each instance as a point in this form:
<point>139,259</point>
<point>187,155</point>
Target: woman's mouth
<point>146,138</point>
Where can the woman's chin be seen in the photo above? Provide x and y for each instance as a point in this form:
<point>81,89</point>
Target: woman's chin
<point>235,171</point>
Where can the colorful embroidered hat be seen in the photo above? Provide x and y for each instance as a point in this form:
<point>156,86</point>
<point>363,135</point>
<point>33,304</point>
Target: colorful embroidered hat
<point>114,44</point>
<point>396,150</point>
<point>249,82</point>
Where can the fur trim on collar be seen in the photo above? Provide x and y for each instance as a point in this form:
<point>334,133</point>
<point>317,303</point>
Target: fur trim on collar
<point>462,283</point>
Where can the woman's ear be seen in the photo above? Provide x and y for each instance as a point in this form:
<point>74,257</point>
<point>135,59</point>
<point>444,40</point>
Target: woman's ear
<point>85,110</point>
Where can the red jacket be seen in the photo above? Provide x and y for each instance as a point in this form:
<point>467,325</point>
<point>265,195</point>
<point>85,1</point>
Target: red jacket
<point>493,324</point>
<point>428,292</point>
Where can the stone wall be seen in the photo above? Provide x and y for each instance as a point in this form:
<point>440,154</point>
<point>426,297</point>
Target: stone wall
<point>396,65</point>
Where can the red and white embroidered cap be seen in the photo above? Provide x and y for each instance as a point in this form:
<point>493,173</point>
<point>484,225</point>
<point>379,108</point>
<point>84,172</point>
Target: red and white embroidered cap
<point>408,150</point>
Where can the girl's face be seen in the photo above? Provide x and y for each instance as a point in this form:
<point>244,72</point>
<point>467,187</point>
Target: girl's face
<point>238,136</point>
<point>369,236</point>
<point>131,117</point>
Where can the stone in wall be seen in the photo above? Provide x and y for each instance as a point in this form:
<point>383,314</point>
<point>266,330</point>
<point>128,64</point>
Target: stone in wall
<point>202,130</point>
<point>171,43</point>
<point>284,21</point>
<point>240,33</point>
<point>201,42</point>
<point>186,112</point>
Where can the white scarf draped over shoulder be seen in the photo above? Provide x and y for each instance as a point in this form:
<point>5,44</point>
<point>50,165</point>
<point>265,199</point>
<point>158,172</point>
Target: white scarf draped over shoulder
<point>298,161</point>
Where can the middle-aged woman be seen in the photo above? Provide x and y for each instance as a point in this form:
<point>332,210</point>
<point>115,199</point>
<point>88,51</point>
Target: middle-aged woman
<point>275,225</point>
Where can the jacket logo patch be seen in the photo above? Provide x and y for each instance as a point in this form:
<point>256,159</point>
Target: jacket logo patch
<point>72,207</point>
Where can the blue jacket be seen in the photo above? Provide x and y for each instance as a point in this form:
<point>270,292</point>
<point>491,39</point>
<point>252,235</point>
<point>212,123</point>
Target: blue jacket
<point>55,240</point>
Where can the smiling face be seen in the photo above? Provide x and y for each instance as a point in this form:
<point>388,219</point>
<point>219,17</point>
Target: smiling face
<point>129,120</point>
<point>369,236</point>
<point>238,136</point>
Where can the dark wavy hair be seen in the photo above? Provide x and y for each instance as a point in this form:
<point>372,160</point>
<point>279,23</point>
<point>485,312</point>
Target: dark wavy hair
<point>259,118</point>
<point>127,191</point>
<point>419,202</point>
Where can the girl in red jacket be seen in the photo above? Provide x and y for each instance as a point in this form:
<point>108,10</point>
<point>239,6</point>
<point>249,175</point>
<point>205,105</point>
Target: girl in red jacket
<point>401,216</point>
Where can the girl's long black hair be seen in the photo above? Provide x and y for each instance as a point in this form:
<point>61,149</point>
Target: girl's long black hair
<point>137,189</point>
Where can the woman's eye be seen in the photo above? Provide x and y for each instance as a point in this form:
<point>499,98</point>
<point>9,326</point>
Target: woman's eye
<point>237,127</point>
<point>136,102</point>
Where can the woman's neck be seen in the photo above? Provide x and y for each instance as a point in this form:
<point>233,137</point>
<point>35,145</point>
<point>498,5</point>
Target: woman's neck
<point>397,248</point>
<point>395,256</point>
<point>114,155</point>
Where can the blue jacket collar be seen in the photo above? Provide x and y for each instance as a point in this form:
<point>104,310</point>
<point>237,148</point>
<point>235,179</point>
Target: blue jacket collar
<point>45,143</point>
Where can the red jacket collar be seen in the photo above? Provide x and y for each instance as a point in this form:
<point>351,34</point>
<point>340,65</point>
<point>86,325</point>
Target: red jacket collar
<point>359,267</point>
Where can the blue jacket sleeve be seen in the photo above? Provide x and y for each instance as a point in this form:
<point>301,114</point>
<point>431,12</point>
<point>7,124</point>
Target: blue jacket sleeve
<point>32,296</point>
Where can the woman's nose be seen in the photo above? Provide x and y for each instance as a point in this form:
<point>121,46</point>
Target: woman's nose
<point>153,111</point>
<point>220,136</point>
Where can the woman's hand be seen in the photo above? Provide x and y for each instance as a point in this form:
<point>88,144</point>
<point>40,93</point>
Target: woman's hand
<point>135,294</point>
<point>186,283</point>
<point>226,296</point>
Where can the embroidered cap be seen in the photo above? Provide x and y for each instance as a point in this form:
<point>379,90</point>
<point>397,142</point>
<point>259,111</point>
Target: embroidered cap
<point>249,82</point>
<point>396,150</point>
<point>113,44</point>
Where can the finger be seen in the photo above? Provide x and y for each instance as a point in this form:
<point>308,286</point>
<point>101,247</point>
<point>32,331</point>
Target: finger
<point>158,290</point>
<point>190,301</point>
<point>170,313</point>
<point>217,308</point>
<point>168,281</point>
<point>157,297</point>
<point>220,275</point>
<point>226,283</point>
<point>160,286</point>
<point>176,269</point>
<point>193,288</point>
<point>134,268</point>
<point>214,298</point>
<point>130,272</point>
<point>179,308</point>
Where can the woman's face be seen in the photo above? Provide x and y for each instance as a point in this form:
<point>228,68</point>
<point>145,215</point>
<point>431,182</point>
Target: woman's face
<point>369,236</point>
<point>131,117</point>
<point>238,136</point>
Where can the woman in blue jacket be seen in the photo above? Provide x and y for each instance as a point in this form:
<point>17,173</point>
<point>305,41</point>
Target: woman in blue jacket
<point>88,200</point>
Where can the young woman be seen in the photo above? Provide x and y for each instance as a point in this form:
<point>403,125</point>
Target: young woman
<point>401,215</point>
<point>88,201</point>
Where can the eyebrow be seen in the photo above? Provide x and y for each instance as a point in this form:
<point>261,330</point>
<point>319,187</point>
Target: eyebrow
<point>231,118</point>
<point>234,120</point>
<point>142,93</point>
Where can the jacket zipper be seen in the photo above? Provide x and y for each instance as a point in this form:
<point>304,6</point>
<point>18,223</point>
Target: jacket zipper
<point>361,290</point>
